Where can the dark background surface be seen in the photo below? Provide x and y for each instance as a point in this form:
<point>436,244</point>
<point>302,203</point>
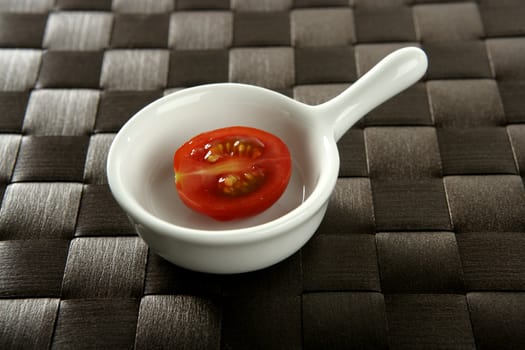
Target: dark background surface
<point>423,243</point>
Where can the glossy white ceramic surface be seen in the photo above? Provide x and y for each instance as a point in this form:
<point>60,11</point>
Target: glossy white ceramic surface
<point>140,171</point>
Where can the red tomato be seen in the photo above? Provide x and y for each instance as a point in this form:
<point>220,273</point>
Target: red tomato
<point>233,172</point>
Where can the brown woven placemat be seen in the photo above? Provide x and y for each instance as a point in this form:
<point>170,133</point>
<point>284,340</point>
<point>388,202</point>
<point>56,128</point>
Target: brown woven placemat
<point>423,244</point>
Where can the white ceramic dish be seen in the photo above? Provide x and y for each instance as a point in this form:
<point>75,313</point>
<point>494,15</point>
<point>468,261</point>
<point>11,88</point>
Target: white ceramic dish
<point>140,170</point>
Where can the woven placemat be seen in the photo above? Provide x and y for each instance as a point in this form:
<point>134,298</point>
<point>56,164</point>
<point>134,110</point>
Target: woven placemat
<point>423,243</point>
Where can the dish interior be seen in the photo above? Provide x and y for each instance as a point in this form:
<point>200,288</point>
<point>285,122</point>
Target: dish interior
<point>144,151</point>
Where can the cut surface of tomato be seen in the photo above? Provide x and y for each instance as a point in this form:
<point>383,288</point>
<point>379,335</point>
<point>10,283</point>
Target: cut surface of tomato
<point>233,172</point>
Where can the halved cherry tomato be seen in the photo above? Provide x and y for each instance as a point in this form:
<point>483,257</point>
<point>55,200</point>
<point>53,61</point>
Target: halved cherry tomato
<point>233,172</point>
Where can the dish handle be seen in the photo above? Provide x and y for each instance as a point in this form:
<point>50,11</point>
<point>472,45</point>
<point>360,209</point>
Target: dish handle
<point>390,76</point>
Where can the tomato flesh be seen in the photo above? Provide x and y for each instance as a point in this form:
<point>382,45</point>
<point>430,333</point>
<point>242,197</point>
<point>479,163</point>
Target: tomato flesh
<point>232,173</point>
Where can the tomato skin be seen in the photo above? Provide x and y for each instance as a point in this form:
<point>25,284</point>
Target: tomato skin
<point>232,173</point>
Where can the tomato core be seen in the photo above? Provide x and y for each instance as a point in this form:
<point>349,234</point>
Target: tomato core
<point>232,173</point>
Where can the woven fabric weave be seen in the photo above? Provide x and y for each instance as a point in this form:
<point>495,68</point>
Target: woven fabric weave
<point>423,243</point>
